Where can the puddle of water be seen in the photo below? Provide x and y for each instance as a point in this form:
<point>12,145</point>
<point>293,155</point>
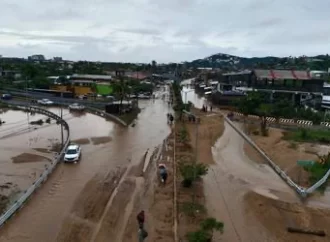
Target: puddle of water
<point>44,215</point>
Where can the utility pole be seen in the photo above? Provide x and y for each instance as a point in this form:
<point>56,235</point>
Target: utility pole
<point>62,139</point>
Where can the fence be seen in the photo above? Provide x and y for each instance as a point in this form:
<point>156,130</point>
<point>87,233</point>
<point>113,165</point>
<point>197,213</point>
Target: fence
<point>286,121</point>
<point>49,169</point>
<point>300,190</point>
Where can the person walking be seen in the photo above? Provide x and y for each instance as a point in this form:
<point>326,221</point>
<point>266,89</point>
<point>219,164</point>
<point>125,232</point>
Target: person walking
<point>140,218</point>
<point>163,174</point>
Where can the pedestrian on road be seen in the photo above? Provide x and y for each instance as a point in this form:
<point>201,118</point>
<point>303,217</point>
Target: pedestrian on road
<point>211,108</point>
<point>140,218</point>
<point>142,235</point>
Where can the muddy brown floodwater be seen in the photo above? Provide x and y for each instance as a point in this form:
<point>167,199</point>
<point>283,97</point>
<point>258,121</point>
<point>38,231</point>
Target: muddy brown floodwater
<point>106,147</point>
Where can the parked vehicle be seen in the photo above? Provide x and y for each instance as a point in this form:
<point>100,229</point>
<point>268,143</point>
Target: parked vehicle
<point>72,154</point>
<point>83,97</point>
<point>45,101</point>
<point>6,96</point>
<point>76,107</point>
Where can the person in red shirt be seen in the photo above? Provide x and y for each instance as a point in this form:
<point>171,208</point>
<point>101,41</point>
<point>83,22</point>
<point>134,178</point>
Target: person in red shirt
<point>140,218</point>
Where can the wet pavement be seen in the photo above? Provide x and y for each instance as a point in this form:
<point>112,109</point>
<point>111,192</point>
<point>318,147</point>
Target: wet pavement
<point>42,218</point>
<point>233,176</point>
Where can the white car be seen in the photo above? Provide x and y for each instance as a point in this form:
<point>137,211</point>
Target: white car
<point>45,101</point>
<point>72,154</point>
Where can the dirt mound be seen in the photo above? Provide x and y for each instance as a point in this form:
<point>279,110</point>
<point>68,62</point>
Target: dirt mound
<point>27,158</point>
<point>276,216</point>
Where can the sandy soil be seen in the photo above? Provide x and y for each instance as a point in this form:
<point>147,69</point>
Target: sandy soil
<point>27,157</point>
<point>277,215</point>
<point>284,153</point>
<point>209,130</point>
<point>89,206</point>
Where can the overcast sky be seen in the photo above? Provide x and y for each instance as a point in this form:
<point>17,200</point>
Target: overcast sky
<point>163,30</point>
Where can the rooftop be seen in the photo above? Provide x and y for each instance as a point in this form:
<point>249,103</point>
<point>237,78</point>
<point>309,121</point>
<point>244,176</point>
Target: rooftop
<point>87,76</point>
<point>283,74</point>
<point>73,146</point>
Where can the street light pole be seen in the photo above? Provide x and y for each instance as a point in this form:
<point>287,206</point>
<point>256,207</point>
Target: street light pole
<point>62,139</point>
<point>196,158</point>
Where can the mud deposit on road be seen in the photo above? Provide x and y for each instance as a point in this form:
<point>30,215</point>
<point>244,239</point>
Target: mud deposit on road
<point>276,216</point>
<point>27,158</point>
<point>155,199</point>
<point>89,206</point>
<point>114,218</point>
<point>83,141</point>
<point>100,140</point>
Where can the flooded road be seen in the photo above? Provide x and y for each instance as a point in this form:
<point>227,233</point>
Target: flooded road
<point>105,146</point>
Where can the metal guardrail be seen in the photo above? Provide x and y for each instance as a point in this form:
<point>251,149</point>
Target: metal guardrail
<point>49,169</point>
<point>301,191</point>
<point>63,100</point>
<point>105,114</point>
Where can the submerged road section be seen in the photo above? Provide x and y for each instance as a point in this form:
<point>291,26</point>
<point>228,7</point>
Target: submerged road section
<point>105,147</point>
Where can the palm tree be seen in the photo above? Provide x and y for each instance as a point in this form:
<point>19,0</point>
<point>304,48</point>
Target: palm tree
<point>121,90</point>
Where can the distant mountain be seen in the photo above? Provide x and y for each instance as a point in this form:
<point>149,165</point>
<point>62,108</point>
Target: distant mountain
<point>231,62</point>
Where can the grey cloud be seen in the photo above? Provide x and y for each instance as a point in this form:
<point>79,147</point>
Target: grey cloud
<point>172,30</point>
<point>143,31</point>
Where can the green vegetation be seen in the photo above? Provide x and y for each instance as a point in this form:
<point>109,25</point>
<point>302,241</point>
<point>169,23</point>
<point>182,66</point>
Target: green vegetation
<point>319,169</point>
<point>192,172</point>
<point>104,89</point>
<point>308,135</point>
<point>179,106</point>
<point>192,209</point>
<point>259,104</point>
<point>206,231</point>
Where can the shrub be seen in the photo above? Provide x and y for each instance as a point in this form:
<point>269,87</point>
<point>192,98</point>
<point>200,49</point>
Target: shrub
<point>183,135</point>
<point>205,233</point>
<point>191,209</point>
<point>199,236</point>
<point>191,172</point>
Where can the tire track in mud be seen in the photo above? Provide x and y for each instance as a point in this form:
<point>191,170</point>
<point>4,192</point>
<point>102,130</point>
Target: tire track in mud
<point>112,220</point>
<point>89,207</point>
<point>155,199</point>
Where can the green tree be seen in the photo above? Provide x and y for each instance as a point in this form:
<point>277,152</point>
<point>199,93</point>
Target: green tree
<point>121,90</point>
<point>211,225</point>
